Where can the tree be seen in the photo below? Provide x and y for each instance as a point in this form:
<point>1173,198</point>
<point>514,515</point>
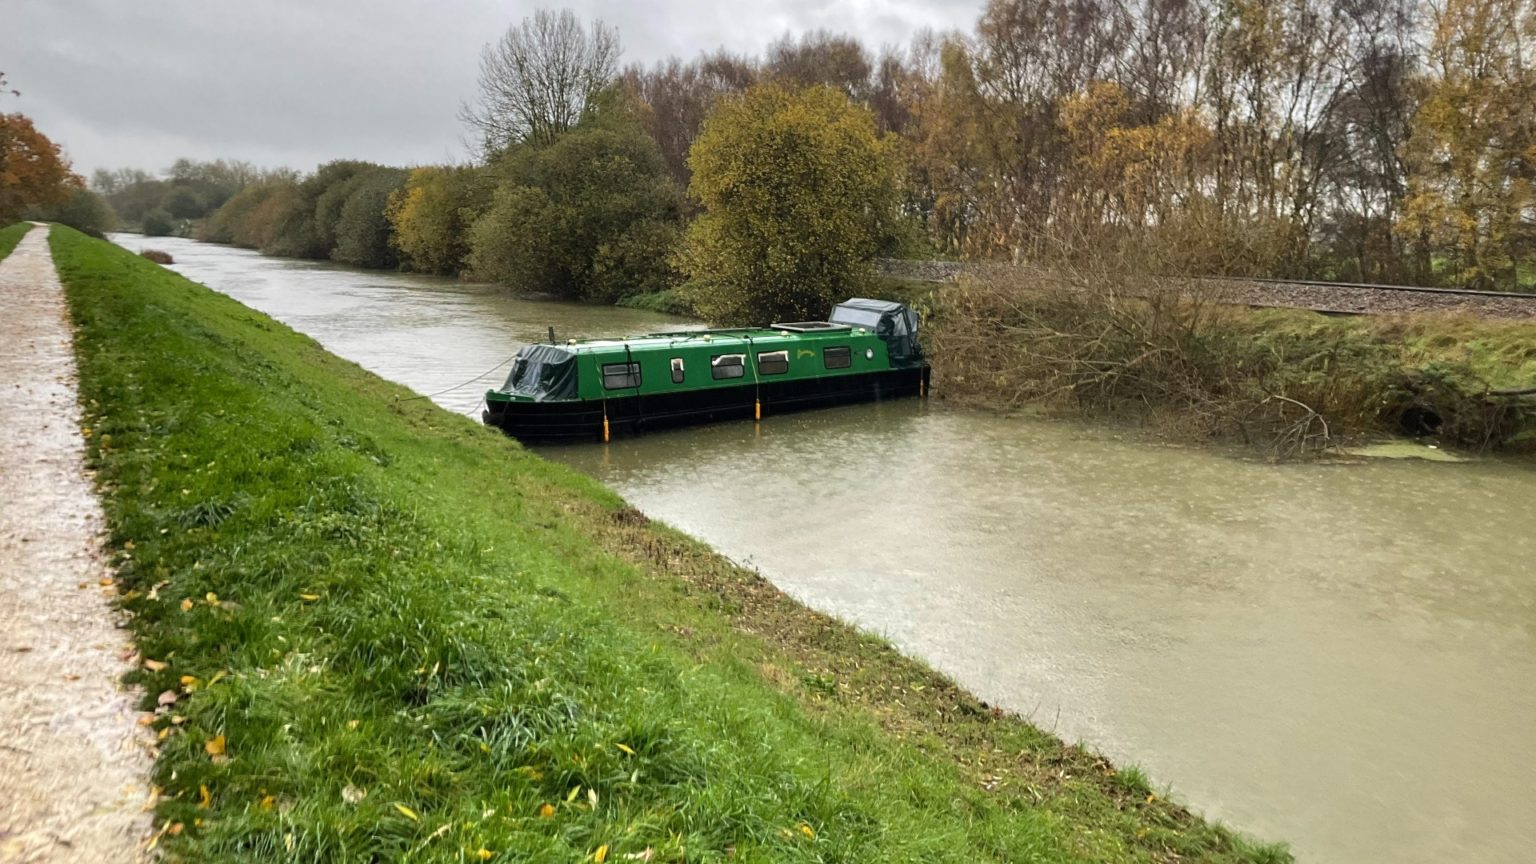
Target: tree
<point>797,189</point>
<point>431,216</point>
<point>1470,153</point>
<point>820,57</point>
<point>33,171</point>
<point>362,229</point>
<point>592,215</point>
<point>83,210</point>
<point>540,78</point>
<point>306,227</point>
<point>677,97</point>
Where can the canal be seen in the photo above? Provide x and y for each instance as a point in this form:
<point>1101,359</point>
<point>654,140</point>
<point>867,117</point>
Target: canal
<point>1341,656</point>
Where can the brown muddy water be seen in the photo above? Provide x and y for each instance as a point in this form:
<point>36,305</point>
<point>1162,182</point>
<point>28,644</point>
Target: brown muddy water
<point>1339,656</point>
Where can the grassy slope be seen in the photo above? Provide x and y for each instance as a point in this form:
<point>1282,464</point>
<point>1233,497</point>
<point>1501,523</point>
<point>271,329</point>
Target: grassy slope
<point>10,236</point>
<point>370,592</point>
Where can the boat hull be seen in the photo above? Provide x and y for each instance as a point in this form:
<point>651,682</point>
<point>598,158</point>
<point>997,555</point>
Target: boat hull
<point>582,420</point>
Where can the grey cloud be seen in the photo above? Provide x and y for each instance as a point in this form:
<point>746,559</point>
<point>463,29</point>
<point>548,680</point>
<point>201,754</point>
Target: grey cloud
<point>288,82</point>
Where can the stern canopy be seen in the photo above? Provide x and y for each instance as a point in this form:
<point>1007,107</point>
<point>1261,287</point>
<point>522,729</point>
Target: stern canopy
<point>894,323</point>
<point>544,373</point>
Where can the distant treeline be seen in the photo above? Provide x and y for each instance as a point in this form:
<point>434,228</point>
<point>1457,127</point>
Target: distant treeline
<point>1354,139</point>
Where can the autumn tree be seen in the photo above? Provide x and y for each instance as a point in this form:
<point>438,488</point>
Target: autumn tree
<point>820,57</point>
<point>1471,150</point>
<point>675,97</point>
<point>432,214</point>
<point>797,189</point>
<point>538,80</point>
<point>33,171</point>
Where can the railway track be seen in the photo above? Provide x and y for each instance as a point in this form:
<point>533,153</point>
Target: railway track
<point>1330,298</point>
<point>1355,298</point>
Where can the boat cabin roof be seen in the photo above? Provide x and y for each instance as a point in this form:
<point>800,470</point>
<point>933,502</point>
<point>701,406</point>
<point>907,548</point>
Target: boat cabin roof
<point>757,336</point>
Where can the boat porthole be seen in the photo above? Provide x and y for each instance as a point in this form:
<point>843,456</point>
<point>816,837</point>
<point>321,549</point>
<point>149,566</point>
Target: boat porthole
<point>869,353</point>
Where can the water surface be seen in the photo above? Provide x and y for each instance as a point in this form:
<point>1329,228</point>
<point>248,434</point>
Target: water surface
<point>1340,656</point>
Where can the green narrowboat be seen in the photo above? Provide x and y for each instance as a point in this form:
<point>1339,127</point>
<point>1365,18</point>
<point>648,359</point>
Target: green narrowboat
<point>596,389</point>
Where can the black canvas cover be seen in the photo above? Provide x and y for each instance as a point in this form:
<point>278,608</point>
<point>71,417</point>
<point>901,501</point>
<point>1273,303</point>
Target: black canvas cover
<point>892,322</point>
<point>545,372</point>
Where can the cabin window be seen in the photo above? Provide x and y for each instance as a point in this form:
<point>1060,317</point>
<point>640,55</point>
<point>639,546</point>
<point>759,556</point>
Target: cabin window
<point>840,357</point>
<point>727,366</point>
<point>677,370</point>
<point>773,362</point>
<point>621,376</point>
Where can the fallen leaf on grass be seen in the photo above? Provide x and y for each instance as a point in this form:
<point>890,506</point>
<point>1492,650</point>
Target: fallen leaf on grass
<point>204,798</point>
<point>215,745</point>
<point>309,597</point>
<point>155,665</point>
<point>592,797</point>
<point>808,831</point>
<point>484,854</point>
<point>646,855</point>
<point>547,811</point>
<point>407,812</point>
<point>266,802</point>
<point>189,682</point>
<point>625,748</point>
<point>352,795</point>
<point>187,604</point>
<point>575,790</point>
<point>601,854</point>
<point>176,828</point>
<point>212,598</point>
<point>167,698</point>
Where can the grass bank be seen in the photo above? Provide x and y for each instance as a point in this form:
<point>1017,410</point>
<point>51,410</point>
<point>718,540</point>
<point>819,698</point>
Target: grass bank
<point>1290,380</point>
<point>10,235</point>
<point>377,631</point>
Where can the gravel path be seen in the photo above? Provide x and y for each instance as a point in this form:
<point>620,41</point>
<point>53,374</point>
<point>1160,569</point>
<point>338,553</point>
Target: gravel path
<point>74,763</point>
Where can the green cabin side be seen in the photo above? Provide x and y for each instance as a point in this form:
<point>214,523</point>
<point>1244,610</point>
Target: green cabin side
<point>707,359</point>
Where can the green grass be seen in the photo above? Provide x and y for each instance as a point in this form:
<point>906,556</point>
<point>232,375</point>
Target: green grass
<point>672,301</point>
<point>10,235</point>
<point>369,594</point>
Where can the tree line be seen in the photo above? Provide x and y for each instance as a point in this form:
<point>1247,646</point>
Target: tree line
<point>1378,140</point>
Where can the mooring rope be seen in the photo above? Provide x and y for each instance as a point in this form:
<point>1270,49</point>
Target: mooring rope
<point>459,386</point>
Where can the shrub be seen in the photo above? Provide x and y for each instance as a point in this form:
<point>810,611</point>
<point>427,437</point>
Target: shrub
<point>798,191</point>
<point>1168,351</point>
<point>157,256</point>
<point>157,223</point>
<point>82,210</point>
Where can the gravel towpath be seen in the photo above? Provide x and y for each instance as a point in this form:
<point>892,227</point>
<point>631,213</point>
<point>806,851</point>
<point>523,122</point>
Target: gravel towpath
<point>74,764</point>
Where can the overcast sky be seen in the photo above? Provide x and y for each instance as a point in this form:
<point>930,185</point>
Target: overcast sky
<point>299,82</point>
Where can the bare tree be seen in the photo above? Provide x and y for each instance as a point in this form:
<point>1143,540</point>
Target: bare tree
<point>539,78</point>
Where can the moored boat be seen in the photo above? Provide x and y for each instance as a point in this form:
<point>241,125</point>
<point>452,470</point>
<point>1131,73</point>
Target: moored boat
<point>600,388</point>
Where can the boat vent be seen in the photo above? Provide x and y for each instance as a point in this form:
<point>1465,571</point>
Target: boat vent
<point>809,326</point>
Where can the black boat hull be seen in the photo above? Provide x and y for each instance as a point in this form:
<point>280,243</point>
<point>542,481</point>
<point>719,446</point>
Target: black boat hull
<point>632,415</point>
